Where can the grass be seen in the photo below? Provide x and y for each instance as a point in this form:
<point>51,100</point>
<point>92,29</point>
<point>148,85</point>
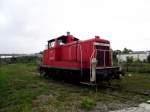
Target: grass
<point>88,103</point>
<point>23,90</point>
<point>137,67</point>
<point>18,86</point>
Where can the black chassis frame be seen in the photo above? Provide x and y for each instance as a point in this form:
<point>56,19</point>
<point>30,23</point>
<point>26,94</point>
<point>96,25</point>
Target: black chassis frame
<point>75,75</point>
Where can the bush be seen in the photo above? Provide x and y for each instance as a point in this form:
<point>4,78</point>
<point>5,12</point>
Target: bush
<point>87,103</point>
<point>129,59</point>
<point>148,59</point>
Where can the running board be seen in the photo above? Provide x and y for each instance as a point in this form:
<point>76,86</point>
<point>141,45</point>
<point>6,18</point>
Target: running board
<point>88,83</point>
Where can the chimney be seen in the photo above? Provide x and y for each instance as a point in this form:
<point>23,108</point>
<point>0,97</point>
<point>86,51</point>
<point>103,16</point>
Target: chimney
<point>68,33</point>
<point>97,36</point>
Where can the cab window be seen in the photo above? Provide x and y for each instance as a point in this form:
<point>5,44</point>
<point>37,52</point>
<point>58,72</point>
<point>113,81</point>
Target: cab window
<point>62,41</point>
<point>51,44</point>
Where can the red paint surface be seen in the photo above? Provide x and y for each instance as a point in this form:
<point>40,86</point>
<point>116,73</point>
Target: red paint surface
<point>69,54</point>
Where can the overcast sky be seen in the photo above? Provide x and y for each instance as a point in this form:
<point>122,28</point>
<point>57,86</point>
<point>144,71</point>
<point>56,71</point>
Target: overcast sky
<point>26,25</point>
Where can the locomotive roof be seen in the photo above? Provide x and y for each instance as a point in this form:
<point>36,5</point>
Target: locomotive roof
<point>63,36</point>
<point>97,38</point>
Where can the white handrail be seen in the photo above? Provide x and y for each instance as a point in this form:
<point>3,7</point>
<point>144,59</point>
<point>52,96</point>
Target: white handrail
<point>91,61</point>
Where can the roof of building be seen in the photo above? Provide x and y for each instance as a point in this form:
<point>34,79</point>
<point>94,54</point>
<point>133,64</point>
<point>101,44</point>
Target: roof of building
<point>137,52</point>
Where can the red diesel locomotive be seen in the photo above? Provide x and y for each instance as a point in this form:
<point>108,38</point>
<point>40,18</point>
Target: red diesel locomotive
<point>87,62</point>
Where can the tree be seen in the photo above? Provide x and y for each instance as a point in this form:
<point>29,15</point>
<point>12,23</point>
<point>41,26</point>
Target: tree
<point>148,58</point>
<point>115,53</point>
<point>129,59</point>
<point>41,52</point>
<point>126,51</point>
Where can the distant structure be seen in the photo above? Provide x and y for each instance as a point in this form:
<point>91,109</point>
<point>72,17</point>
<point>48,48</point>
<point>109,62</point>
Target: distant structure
<point>11,55</point>
<point>136,55</point>
<point>3,56</point>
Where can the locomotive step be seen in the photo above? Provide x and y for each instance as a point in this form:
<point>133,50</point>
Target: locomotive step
<point>89,83</point>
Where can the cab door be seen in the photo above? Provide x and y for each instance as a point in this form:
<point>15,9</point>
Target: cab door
<point>73,52</point>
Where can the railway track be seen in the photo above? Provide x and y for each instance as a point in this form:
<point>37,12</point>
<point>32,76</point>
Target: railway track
<point>129,91</point>
<point>113,89</point>
<point>104,86</point>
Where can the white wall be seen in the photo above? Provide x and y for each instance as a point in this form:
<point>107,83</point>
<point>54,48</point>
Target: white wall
<point>141,57</point>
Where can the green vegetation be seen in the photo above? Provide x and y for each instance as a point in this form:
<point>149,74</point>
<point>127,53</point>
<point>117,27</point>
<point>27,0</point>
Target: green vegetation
<point>148,59</point>
<point>126,51</point>
<point>18,86</point>
<point>132,65</point>
<point>23,59</point>
<point>23,90</point>
<point>129,59</point>
<point>137,67</point>
<point>87,103</point>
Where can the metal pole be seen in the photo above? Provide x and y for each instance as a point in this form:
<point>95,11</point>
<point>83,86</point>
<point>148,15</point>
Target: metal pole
<point>104,59</point>
<point>111,60</point>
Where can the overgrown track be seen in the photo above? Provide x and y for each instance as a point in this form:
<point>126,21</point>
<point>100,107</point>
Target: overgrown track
<point>104,87</point>
<point>99,88</point>
<point>119,89</point>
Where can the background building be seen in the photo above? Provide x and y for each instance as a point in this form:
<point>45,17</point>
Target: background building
<point>136,55</point>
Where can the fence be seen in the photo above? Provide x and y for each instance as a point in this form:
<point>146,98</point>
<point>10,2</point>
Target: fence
<point>136,67</point>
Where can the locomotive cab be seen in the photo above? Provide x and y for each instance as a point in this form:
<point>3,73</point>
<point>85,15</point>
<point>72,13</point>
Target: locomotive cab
<point>61,41</point>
